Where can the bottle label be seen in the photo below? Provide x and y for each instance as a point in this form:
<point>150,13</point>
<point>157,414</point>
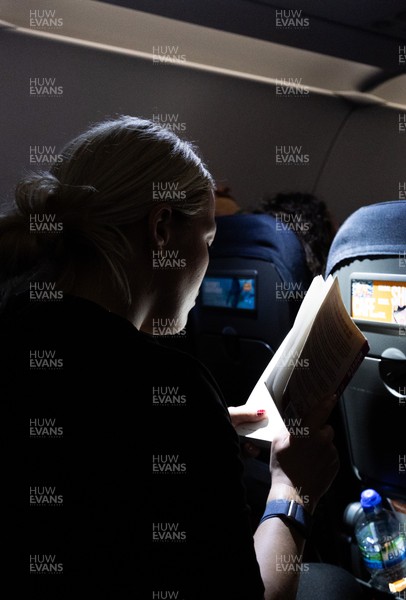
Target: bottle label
<point>386,555</point>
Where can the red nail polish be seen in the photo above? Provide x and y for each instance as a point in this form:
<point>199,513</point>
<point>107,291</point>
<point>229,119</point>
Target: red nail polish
<point>260,412</point>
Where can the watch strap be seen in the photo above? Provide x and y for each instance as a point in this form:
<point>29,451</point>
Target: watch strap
<point>292,512</point>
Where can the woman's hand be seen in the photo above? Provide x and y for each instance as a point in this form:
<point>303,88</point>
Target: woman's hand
<point>242,414</point>
<point>304,466</point>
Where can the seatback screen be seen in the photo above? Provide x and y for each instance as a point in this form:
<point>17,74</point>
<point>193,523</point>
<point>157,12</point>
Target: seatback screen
<point>379,300</point>
<point>234,292</point>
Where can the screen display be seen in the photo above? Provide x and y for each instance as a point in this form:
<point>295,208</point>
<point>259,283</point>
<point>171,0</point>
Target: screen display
<point>232,292</point>
<point>381,301</point>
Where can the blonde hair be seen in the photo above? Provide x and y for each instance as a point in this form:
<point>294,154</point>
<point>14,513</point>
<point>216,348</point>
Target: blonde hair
<point>102,184</point>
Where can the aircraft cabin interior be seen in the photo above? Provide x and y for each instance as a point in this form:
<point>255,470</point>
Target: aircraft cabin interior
<point>302,98</point>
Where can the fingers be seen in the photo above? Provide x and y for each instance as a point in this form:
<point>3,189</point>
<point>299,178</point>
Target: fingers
<point>318,416</point>
<point>326,434</point>
<point>309,463</point>
<point>325,441</point>
<point>242,414</point>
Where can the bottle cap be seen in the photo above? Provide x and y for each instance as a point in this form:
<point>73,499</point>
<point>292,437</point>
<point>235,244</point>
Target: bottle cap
<point>370,498</point>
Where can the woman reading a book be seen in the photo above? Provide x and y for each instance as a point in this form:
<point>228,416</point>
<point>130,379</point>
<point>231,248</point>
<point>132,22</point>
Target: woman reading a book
<point>101,258</point>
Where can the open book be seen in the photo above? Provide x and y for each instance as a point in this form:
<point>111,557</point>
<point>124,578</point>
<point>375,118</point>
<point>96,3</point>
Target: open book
<point>316,359</point>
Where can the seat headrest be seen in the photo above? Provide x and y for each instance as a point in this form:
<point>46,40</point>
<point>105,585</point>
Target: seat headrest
<point>376,230</point>
<point>261,237</point>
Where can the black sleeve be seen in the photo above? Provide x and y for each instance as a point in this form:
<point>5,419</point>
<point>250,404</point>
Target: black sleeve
<point>122,468</point>
<point>202,544</point>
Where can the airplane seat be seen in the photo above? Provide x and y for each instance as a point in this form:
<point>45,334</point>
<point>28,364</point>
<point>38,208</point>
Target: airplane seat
<point>368,256</point>
<point>256,279</point>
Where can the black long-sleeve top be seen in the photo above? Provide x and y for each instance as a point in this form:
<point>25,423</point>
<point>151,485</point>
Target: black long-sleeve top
<point>121,468</point>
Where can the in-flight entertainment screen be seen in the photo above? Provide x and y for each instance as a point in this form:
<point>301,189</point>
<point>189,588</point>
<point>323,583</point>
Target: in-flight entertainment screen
<point>235,292</point>
<point>379,300</point>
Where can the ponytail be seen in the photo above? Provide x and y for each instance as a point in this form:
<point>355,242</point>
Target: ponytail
<point>82,208</point>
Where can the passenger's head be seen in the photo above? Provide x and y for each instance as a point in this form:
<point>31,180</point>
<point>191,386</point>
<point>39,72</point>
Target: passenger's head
<point>226,204</point>
<point>95,210</point>
<point>310,219</point>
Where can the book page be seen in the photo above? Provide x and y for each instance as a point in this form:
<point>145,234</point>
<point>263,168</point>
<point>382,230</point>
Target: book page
<point>287,358</point>
<point>316,359</point>
<point>277,373</point>
<point>268,392</point>
<point>264,431</point>
<point>331,351</point>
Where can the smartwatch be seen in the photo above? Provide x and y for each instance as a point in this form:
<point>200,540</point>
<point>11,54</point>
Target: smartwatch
<point>292,513</point>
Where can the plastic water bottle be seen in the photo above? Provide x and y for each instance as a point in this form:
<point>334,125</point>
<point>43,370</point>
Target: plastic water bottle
<point>382,544</point>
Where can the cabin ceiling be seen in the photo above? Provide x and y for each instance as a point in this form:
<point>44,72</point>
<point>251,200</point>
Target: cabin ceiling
<point>344,47</point>
<point>364,31</point>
